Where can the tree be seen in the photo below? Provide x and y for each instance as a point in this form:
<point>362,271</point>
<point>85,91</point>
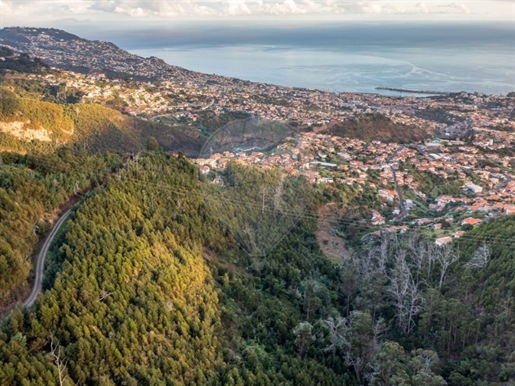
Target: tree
<point>152,144</point>
<point>446,257</point>
<point>390,365</point>
<point>480,258</point>
<point>350,282</point>
<point>421,368</point>
<point>405,292</point>
<point>303,336</point>
<point>361,342</point>
<point>55,351</point>
<point>311,301</point>
<point>336,328</point>
<point>394,367</point>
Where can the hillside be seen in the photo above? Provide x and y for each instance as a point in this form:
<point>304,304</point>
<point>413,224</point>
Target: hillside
<point>32,188</point>
<point>175,273</point>
<point>150,291</point>
<point>370,127</point>
<point>158,269</point>
<point>27,124</point>
<point>64,50</point>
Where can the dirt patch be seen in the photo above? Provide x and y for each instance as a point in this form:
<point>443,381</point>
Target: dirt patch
<point>19,130</point>
<point>330,243</point>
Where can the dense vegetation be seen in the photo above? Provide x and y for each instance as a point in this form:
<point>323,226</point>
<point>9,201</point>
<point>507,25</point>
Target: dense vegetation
<point>370,127</point>
<point>135,301</point>
<point>154,285</point>
<point>88,126</point>
<point>21,63</point>
<point>32,187</point>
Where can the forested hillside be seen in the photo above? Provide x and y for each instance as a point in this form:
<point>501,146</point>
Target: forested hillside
<point>32,187</point>
<point>34,125</point>
<point>135,301</point>
<point>150,286</point>
<point>370,127</point>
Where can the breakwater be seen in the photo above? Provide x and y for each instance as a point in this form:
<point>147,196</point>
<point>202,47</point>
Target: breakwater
<point>413,91</point>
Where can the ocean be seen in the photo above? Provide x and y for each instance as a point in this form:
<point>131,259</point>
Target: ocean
<point>352,57</point>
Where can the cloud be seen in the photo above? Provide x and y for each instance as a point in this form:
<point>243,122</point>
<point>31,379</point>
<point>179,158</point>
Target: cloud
<point>218,8</point>
<point>20,8</point>
<point>170,8</point>
<point>461,7</point>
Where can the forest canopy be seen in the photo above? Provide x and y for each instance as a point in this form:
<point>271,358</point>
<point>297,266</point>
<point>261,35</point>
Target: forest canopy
<point>148,287</point>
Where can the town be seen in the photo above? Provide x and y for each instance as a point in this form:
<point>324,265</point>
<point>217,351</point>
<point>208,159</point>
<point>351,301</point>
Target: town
<point>482,189</point>
<point>467,147</point>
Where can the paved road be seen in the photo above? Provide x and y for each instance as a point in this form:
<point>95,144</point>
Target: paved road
<point>40,263</point>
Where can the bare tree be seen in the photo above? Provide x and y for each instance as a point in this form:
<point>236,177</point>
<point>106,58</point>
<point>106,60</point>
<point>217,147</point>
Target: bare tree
<point>103,294</point>
<point>432,253</point>
<point>480,258</point>
<point>446,257</point>
<point>405,293</point>
<point>383,254</point>
<point>367,266</point>
<point>56,356</point>
<point>336,333</point>
<point>418,250</point>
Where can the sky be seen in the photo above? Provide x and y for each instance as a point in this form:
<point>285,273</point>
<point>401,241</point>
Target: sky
<point>145,13</point>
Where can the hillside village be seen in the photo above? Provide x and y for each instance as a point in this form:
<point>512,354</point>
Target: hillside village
<point>453,115</point>
<point>469,136</point>
<point>150,87</point>
<point>484,190</point>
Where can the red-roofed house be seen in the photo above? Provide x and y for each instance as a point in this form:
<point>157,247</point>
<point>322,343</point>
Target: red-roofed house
<point>443,240</point>
<point>471,221</point>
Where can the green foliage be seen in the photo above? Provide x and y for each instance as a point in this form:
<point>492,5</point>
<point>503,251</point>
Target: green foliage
<point>132,304</point>
<point>152,144</point>
<point>435,185</point>
<point>397,368</point>
<point>40,114</point>
<point>30,187</point>
<point>258,207</point>
<point>154,283</point>
<point>87,126</point>
<point>377,127</point>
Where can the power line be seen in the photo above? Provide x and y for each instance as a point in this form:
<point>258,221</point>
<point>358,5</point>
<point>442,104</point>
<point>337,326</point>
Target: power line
<point>297,216</point>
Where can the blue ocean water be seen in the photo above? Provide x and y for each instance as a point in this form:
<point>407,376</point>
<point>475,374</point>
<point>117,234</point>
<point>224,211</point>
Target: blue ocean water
<point>354,57</point>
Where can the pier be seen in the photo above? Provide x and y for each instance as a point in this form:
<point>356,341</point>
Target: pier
<point>413,91</point>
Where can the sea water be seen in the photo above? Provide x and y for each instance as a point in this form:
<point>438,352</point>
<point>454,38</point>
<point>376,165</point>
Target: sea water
<point>353,57</point>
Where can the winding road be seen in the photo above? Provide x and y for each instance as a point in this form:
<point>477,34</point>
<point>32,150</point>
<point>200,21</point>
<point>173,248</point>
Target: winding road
<point>40,263</point>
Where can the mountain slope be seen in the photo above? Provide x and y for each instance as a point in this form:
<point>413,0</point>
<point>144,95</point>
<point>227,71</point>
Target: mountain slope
<point>64,50</point>
<point>27,124</point>
<point>148,291</point>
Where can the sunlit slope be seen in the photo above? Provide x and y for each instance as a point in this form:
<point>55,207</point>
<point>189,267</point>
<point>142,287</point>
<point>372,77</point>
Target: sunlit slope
<point>134,302</point>
<point>28,124</point>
